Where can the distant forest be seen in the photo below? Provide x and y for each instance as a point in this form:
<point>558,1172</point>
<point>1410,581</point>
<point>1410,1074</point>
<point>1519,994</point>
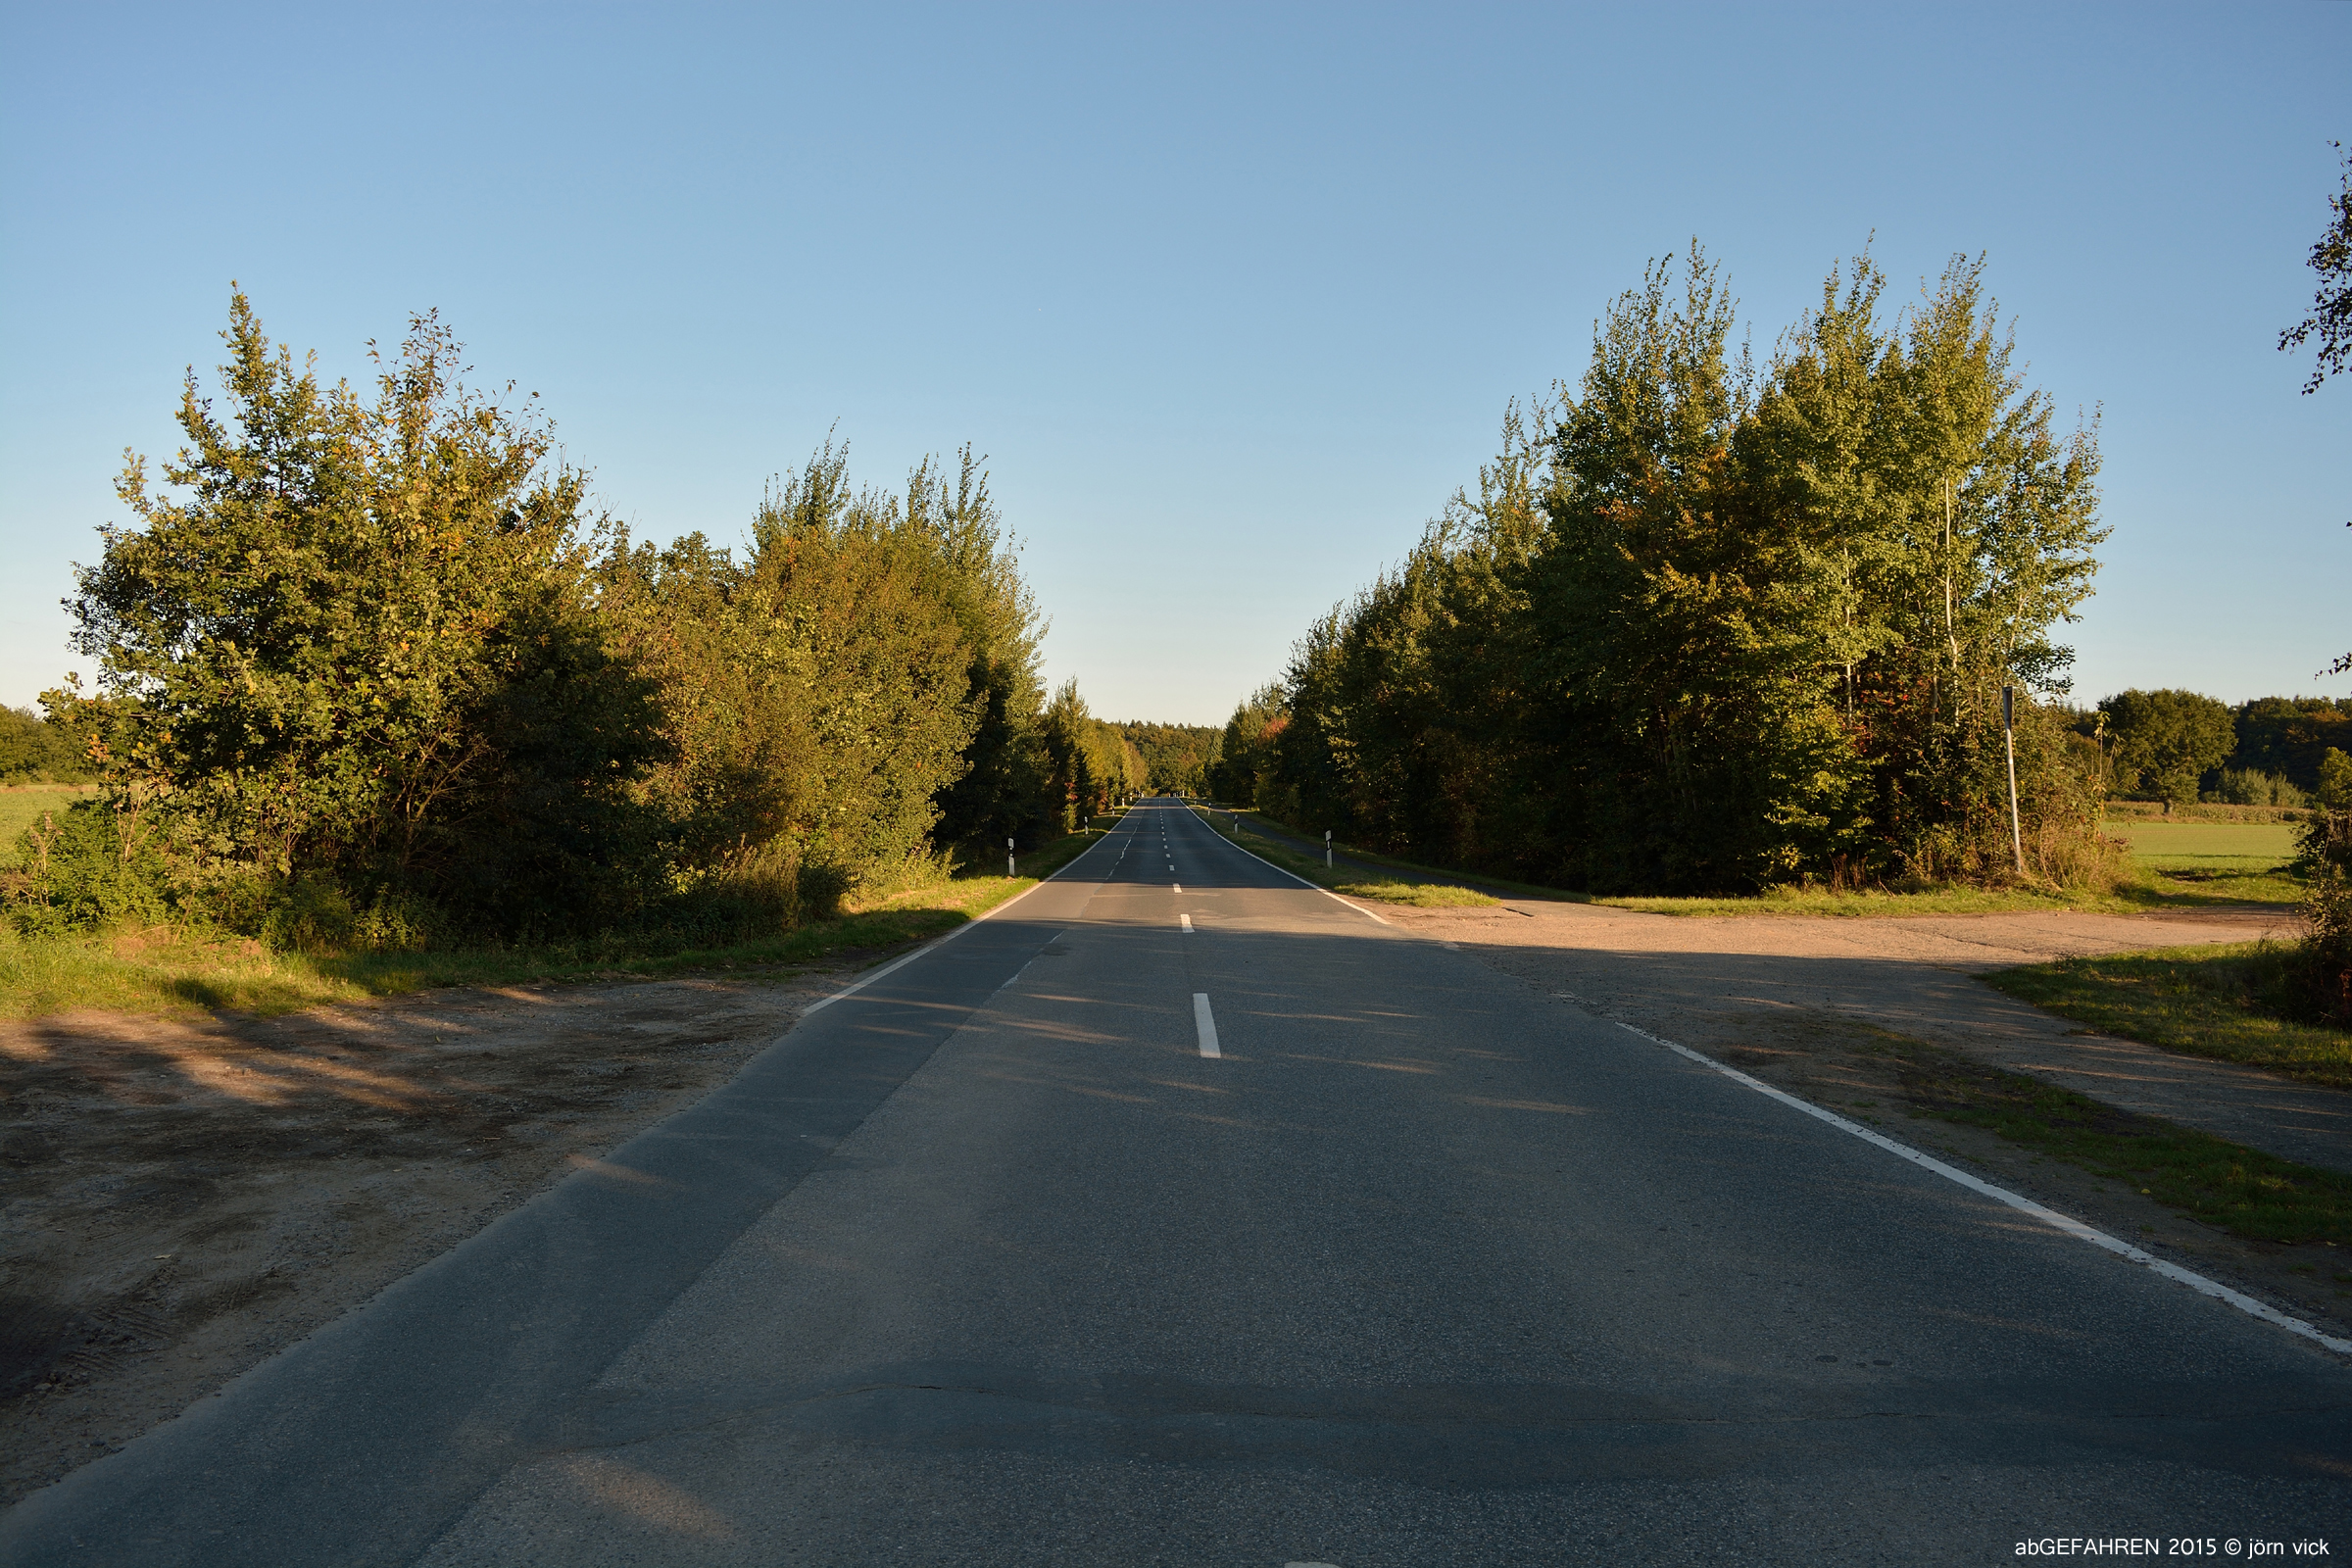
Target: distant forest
<point>1176,756</point>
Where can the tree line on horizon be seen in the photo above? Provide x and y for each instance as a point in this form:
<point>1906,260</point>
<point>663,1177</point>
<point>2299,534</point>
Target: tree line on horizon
<point>2182,747</point>
<point>371,671</point>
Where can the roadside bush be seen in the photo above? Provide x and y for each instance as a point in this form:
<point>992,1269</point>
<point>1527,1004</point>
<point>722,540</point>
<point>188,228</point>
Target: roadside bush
<point>758,891</point>
<point>2327,859</point>
<point>2335,780</point>
<point>311,913</point>
<point>2252,786</point>
<point>94,869</point>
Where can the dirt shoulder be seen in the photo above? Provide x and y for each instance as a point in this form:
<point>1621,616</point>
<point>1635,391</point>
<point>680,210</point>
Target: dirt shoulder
<point>181,1198</point>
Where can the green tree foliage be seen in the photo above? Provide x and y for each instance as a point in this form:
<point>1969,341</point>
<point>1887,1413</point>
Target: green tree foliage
<point>34,750</point>
<point>865,673</point>
<point>2331,317</point>
<point>1703,627</point>
<point>1090,766</point>
<point>359,642</point>
<point>1245,759</point>
<point>2163,743</point>
<point>2333,789</point>
<point>1176,756</point>
<point>2286,736</point>
<point>368,670</point>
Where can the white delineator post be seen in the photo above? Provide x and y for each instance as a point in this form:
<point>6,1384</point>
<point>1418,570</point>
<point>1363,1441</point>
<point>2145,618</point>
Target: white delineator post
<point>1327,848</point>
<point>1009,871</point>
<point>2017,834</point>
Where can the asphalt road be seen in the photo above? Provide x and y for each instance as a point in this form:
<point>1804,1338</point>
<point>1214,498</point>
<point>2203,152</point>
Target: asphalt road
<point>993,1262</point>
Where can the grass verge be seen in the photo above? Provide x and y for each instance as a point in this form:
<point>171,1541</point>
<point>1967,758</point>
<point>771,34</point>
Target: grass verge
<point>2155,887</point>
<point>1867,902</point>
<point>2239,1002</point>
<point>2243,1190</point>
<point>1347,880</point>
<point>2160,882</point>
<point>22,806</point>
<point>172,971</point>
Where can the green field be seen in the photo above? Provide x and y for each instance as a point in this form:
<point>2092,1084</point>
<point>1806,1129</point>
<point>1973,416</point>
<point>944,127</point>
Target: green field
<point>21,806</point>
<point>2222,860</point>
<point>2237,846</point>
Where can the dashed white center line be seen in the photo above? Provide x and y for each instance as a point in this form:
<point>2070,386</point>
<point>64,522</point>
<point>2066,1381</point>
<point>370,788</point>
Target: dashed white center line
<point>1188,923</point>
<point>1205,1024</point>
<point>1180,887</point>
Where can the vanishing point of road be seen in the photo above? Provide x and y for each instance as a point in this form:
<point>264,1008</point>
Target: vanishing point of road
<point>1181,1213</point>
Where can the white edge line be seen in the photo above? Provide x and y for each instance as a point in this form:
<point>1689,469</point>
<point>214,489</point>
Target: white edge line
<point>1295,877</point>
<point>863,981</point>
<point>2024,1205</point>
<point>1205,1024</point>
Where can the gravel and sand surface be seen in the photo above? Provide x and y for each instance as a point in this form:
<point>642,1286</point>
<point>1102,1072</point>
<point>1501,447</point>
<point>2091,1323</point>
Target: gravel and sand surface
<point>182,1197</point>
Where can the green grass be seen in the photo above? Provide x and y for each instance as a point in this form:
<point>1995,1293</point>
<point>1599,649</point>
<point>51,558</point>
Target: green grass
<point>1871,902</point>
<point>172,971</point>
<point>2194,862</point>
<point>1347,880</point>
<point>2240,1002</point>
<point>1419,894</point>
<point>22,804</point>
<point>2242,1190</point>
<point>2184,864</point>
<point>2257,846</point>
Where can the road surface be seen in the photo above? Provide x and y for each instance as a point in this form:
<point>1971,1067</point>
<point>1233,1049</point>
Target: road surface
<point>1181,1213</point>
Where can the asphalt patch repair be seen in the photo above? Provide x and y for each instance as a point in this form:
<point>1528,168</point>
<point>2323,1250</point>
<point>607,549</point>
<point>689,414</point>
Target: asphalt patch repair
<point>186,1196</point>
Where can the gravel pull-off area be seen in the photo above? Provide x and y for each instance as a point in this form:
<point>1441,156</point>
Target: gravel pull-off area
<point>1714,983</point>
<point>180,1197</point>
<point>1792,1001</point>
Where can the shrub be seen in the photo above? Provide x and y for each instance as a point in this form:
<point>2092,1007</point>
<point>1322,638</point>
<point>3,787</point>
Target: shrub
<point>2335,780</point>
<point>95,868</point>
<point>2252,786</point>
<point>2327,859</point>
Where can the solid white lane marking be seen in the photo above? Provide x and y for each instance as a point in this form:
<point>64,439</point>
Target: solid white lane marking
<point>859,984</point>
<point>1205,1024</point>
<point>1304,882</point>
<point>1188,923</point>
<point>2024,1205</point>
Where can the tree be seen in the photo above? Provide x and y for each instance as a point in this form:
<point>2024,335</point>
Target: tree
<point>1706,628</point>
<point>2165,742</point>
<point>817,695</point>
<point>2331,317</point>
<point>354,639</point>
<point>1243,773</point>
<point>35,750</point>
<point>2286,736</point>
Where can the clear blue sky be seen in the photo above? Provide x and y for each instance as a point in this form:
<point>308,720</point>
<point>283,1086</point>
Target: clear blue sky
<point>1232,297</point>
